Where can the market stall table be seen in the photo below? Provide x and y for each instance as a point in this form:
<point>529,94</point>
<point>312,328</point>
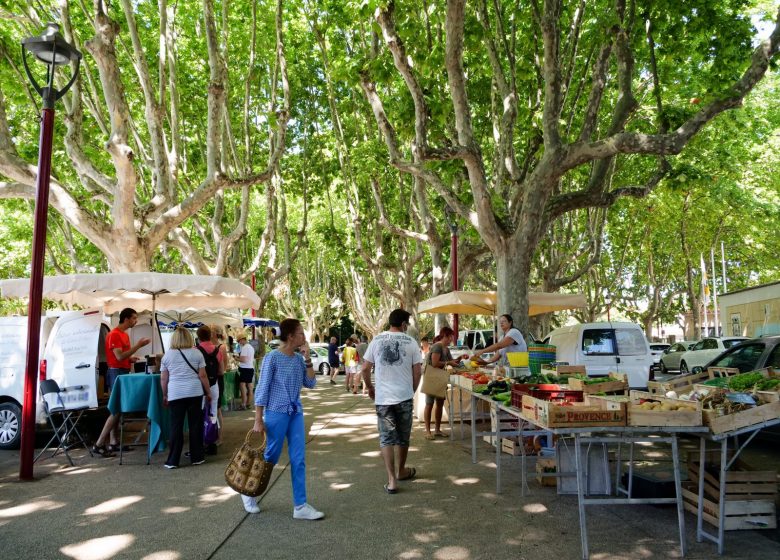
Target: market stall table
<point>606,435</point>
<point>140,392</point>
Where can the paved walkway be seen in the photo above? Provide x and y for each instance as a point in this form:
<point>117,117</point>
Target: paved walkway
<point>99,509</point>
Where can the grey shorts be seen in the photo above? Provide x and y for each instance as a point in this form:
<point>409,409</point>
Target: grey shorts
<point>395,423</point>
<point>429,399</point>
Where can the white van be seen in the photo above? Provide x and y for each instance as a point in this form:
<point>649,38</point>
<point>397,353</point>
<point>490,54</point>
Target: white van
<point>476,339</point>
<point>72,345</point>
<point>604,347</point>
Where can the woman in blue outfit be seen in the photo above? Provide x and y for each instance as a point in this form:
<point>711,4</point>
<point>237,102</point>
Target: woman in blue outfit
<point>279,413</point>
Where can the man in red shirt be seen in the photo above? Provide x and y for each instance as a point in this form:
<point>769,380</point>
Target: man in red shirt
<point>119,352</point>
<point>119,355</point>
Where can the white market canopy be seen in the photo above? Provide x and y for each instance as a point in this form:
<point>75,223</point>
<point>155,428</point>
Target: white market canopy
<point>484,303</point>
<point>143,291</point>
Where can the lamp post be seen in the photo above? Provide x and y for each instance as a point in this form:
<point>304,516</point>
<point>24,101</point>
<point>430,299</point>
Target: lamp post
<point>53,50</point>
<point>452,222</point>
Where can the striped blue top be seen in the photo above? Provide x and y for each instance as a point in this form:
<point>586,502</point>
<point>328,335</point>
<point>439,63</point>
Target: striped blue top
<point>281,379</point>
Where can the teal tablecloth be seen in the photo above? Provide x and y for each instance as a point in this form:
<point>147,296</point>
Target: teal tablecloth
<point>140,392</point>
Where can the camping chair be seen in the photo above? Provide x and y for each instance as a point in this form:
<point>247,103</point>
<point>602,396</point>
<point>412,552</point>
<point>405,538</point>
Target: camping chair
<point>66,431</point>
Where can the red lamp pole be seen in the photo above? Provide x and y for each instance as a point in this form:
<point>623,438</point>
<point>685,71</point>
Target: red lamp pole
<point>36,295</point>
<point>51,49</point>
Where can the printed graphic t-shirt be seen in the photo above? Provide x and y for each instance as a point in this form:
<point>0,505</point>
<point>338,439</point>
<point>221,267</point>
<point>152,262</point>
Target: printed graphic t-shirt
<point>393,355</point>
<point>120,340</point>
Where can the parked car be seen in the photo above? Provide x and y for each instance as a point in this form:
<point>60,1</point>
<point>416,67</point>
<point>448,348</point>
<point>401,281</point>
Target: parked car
<point>750,355</point>
<point>319,357</point>
<point>707,349</point>
<point>656,351</point>
<point>670,359</point>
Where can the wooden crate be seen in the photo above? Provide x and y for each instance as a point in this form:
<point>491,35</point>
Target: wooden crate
<point>637,416</point>
<point>546,465</point>
<point>463,381</point>
<point>600,412</point>
<point>681,384</point>
<point>720,424</point>
<point>742,481</point>
<point>511,446</point>
<point>739,514</point>
<point>714,372</point>
<point>563,370</point>
<point>614,383</point>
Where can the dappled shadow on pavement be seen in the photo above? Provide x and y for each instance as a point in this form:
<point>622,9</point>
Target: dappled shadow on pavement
<point>99,509</point>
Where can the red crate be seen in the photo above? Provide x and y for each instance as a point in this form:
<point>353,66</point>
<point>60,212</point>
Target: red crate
<point>565,395</point>
<point>540,390</point>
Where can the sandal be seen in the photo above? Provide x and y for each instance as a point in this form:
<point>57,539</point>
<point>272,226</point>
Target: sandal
<point>429,437</point>
<point>102,451</point>
<point>390,490</point>
<point>412,472</point>
<point>440,434</point>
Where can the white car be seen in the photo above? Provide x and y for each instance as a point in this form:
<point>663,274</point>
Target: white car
<point>319,357</point>
<point>656,351</point>
<point>670,359</point>
<point>706,350</point>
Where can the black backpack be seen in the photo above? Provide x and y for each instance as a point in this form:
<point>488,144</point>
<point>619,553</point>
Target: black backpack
<point>212,363</point>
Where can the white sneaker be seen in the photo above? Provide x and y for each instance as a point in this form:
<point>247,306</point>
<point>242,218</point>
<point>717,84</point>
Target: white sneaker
<point>307,512</point>
<point>250,504</point>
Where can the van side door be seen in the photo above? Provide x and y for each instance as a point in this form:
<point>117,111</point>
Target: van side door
<point>634,356</point>
<point>598,350</point>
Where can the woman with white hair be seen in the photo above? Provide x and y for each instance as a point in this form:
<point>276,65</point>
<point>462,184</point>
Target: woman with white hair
<point>184,385</point>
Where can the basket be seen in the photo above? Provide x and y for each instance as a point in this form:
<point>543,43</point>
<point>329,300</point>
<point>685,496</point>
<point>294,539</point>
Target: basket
<point>517,359</point>
<point>248,473</point>
<point>539,355</point>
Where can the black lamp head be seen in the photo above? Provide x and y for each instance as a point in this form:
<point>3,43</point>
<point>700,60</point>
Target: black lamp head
<point>50,47</point>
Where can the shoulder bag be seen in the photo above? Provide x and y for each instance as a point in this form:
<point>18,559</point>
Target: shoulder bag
<point>248,473</point>
<point>434,381</point>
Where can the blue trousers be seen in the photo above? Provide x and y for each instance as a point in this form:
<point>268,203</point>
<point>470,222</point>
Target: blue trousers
<point>279,425</point>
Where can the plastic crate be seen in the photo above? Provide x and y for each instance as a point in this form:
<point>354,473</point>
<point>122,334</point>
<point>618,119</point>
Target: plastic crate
<point>566,395</point>
<point>520,389</point>
<point>539,355</point>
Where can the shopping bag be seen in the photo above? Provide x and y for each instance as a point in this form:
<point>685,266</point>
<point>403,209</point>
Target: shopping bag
<point>434,382</point>
<point>210,428</point>
<point>248,473</point>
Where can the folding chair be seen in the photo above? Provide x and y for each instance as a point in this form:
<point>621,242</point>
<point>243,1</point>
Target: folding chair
<point>66,430</point>
<point>134,418</point>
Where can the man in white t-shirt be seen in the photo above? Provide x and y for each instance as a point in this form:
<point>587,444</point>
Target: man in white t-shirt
<point>246,371</point>
<point>396,360</point>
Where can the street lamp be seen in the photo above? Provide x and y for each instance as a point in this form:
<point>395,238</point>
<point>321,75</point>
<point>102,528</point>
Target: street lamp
<point>452,222</point>
<point>53,50</point>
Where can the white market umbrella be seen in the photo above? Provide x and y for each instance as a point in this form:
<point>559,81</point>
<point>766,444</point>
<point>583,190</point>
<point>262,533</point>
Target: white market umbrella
<point>143,291</point>
<point>484,303</point>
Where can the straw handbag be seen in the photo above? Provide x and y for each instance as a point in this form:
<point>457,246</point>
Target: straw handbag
<point>248,473</point>
<point>434,382</point>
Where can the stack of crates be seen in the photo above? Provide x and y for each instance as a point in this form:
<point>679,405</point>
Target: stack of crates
<point>539,355</point>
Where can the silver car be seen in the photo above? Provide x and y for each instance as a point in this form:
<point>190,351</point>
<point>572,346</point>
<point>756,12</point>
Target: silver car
<point>670,359</point>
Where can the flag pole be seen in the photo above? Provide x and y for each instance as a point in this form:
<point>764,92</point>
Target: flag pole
<point>704,294</point>
<point>714,291</point>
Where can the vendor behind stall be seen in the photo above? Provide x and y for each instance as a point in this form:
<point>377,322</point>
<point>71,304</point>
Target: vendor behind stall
<point>512,341</point>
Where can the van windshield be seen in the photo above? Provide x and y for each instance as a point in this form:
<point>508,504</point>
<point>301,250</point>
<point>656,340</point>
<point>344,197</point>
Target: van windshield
<point>630,342</point>
<point>488,338</point>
